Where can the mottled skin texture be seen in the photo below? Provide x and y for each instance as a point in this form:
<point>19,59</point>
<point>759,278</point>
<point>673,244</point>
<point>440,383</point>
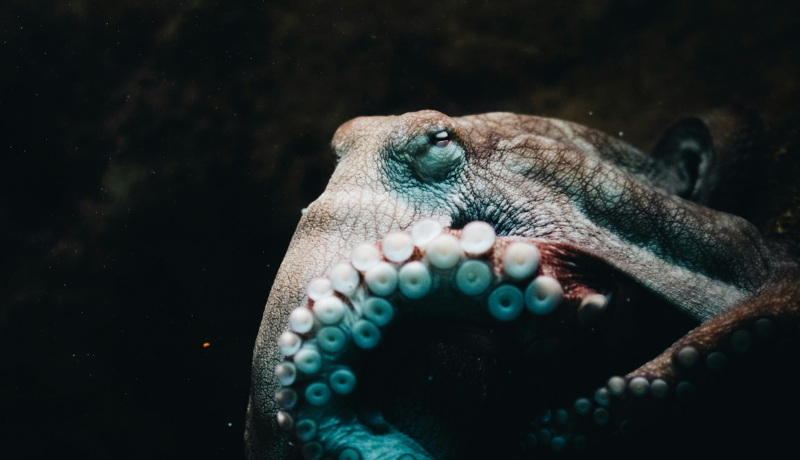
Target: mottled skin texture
<point>657,219</point>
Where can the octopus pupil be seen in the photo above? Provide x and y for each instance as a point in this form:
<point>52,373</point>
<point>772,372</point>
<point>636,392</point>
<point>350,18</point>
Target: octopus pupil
<point>441,139</point>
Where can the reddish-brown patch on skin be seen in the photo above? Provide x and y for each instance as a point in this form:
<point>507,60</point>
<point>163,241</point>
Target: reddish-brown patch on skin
<point>580,273</point>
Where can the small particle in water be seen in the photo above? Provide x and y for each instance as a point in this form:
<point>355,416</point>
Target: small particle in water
<point>620,134</point>
<point>303,211</point>
<point>591,113</point>
<point>230,424</point>
<point>206,345</point>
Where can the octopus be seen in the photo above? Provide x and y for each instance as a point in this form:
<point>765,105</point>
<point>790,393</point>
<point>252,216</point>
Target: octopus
<point>512,286</point>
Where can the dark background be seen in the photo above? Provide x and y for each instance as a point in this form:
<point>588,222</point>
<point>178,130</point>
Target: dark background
<point>156,155</point>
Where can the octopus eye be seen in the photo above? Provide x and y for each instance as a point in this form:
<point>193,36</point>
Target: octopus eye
<point>433,156</point>
<point>441,139</point>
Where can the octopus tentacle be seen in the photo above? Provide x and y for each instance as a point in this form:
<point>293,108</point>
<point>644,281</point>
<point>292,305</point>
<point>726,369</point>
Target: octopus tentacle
<point>472,273</point>
<point>765,324</point>
<point>430,272</point>
<point>765,317</point>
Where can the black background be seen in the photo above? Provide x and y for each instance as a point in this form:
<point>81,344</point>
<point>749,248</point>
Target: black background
<point>155,157</point>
